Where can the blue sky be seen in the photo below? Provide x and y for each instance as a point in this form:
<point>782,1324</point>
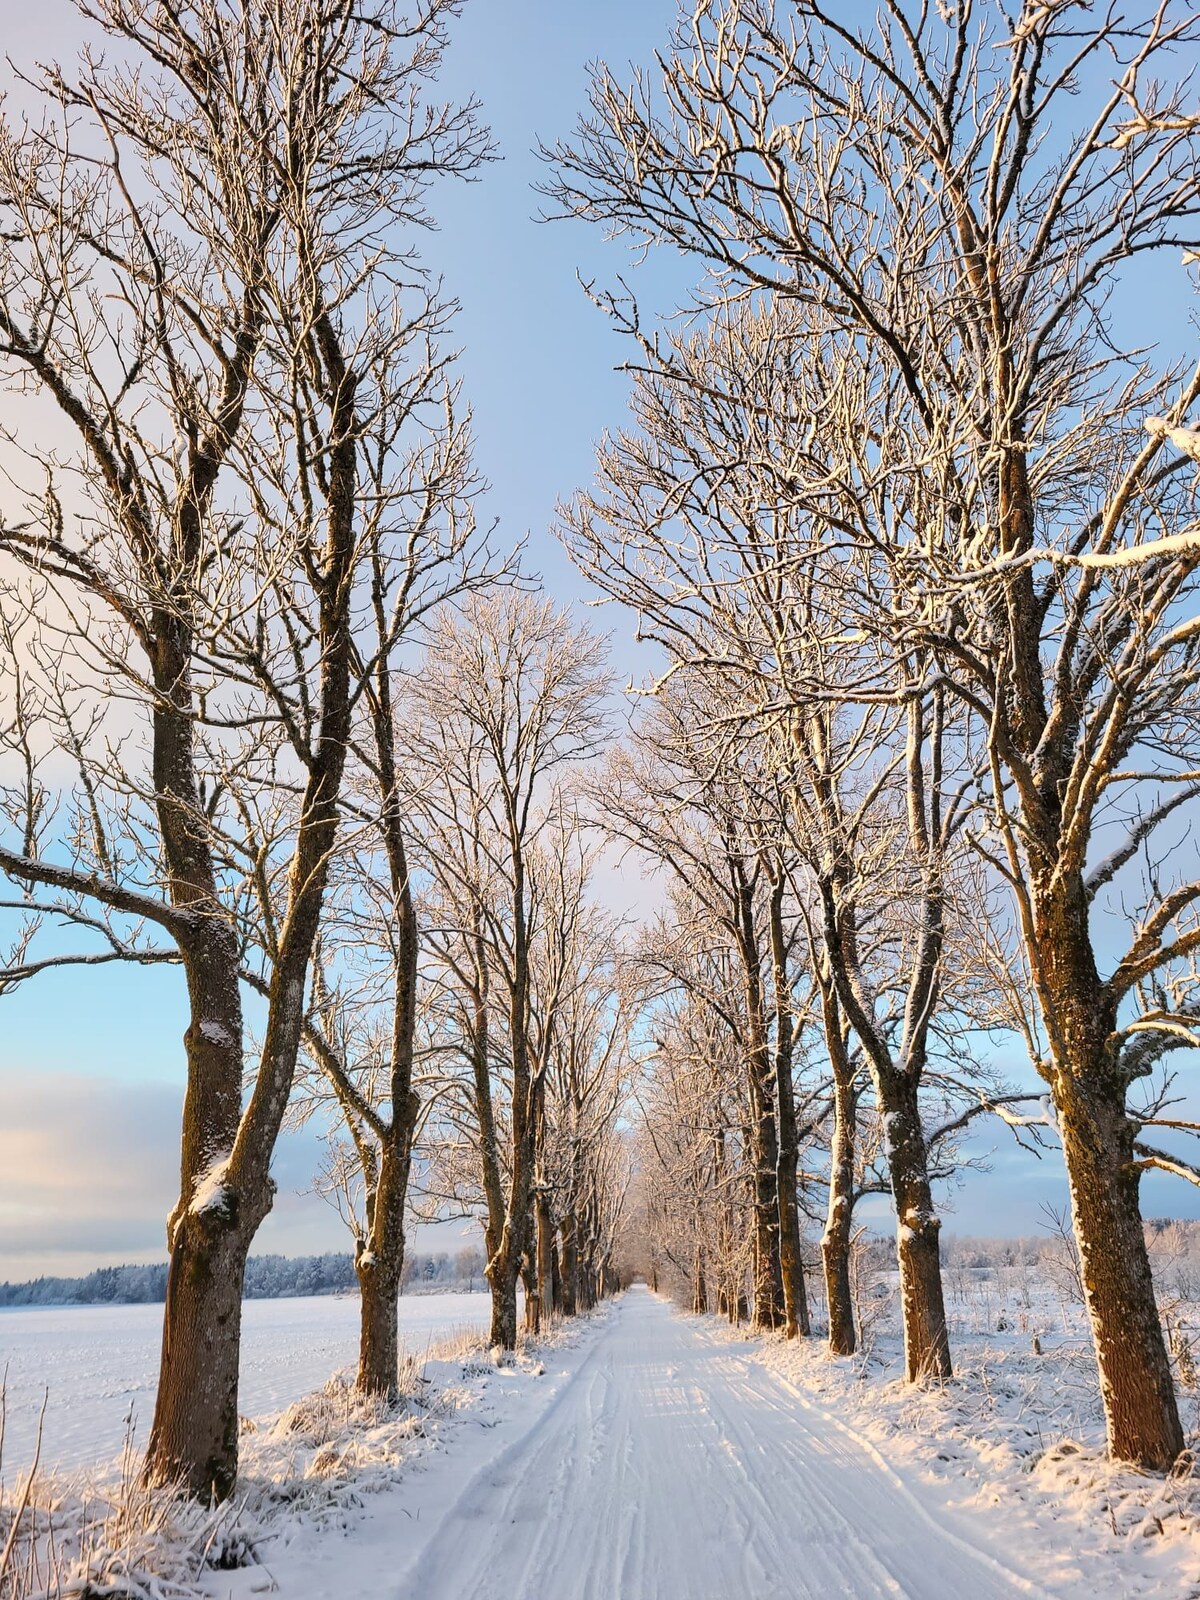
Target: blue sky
<point>100,1052</point>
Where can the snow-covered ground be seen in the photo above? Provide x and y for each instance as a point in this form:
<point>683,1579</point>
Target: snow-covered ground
<point>662,1455</point>
<point>650,1455</point>
<point>1014,1447</point>
<point>96,1362</point>
<point>1010,1452</point>
<point>673,1464</point>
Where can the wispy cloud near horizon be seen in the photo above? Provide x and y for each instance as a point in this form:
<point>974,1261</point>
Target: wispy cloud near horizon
<point>89,1171</point>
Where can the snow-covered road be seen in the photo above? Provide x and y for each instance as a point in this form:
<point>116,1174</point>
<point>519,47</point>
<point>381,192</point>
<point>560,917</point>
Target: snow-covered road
<point>671,1466</point>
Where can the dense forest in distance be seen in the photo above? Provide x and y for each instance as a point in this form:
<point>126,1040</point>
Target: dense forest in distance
<point>267,1278</point>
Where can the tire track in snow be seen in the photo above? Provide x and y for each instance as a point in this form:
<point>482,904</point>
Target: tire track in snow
<point>672,1467</point>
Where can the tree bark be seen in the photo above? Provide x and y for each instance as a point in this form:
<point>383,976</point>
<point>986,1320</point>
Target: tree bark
<point>194,1436</point>
<point>570,1265</point>
<point>839,1221</point>
<point>379,1329</point>
<point>837,1237</point>
<point>556,1283</point>
<point>768,1276</point>
<point>544,1225</point>
<point>764,1134</point>
<point>379,1264</point>
<point>791,1260</point>
<point>533,1305</point>
<point>1141,1409</point>
<point>926,1338</point>
<point>699,1286</point>
<point>1090,1091</point>
<point>501,1272</point>
<point>502,1334</point>
<point>514,1238</point>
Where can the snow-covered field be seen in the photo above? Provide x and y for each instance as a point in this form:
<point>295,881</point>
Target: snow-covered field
<point>95,1363</point>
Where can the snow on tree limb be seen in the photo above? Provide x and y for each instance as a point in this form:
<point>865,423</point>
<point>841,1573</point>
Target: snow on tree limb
<point>1185,439</point>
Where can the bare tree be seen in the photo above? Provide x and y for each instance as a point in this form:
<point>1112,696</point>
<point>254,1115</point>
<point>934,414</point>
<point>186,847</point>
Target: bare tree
<point>509,694</point>
<point>837,1237</point>
<point>422,547</point>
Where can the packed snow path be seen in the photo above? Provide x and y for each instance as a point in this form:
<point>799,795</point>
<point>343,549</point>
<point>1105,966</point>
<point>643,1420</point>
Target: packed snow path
<point>672,1466</point>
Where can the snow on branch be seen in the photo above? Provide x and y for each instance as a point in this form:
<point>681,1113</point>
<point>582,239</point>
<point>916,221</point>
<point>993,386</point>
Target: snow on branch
<point>1186,440</point>
<point>1105,871</point>
<point>210,1194</point>
<point>1000,1106</point>
<point>1150,1157</point>
<point>95,887</point>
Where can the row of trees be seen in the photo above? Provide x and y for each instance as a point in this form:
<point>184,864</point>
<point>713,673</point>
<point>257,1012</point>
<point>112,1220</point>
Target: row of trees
<point>916,544</point>
<point>917,541</point>
<point>770,1101</point>
<point>467,999</point>
<point>242,732</point>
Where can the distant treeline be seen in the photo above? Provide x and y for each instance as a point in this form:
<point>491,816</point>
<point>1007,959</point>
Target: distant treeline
<point>267,1278</point>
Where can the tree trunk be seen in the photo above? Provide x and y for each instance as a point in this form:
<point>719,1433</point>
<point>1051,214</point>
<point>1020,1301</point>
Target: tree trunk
<point>768,1274</point>
<point>1141,1410</point>
<point>835,1241</point>
<point>570,1266</point>
<point>533,1306</point>
<point>699,1287</point>
<point>545,1259</point>
<point>503,1332</point>
<point>1090,1091</point>
<point>926,1339</point>
<point>194,1436</point>
<point>839,1222</point>
<point>193,1439</point>
<point>502,1262</point>
<point>764,1134</point>
<point>379,1332</point>
<point>379,1264</point>
<point>791,1259</point>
